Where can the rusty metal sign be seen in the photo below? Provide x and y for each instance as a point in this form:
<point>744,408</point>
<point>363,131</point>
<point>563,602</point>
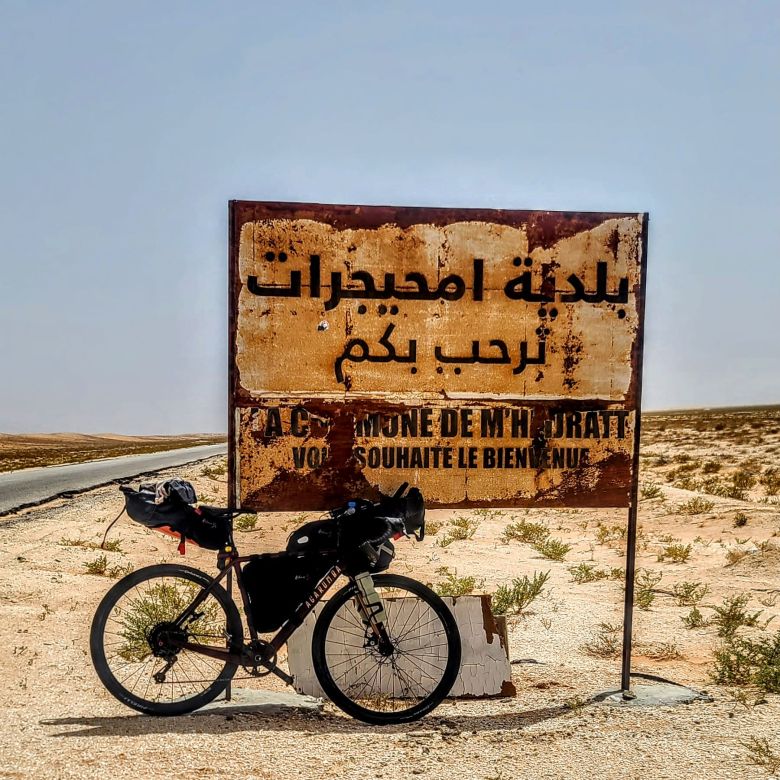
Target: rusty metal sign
<point>489,357</point>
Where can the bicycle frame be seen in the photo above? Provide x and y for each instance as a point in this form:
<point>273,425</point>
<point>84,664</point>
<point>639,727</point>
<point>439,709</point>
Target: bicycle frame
<point>288,628</point>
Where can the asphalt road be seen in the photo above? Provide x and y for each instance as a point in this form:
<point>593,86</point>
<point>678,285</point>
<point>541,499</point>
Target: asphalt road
<point>33,486</point>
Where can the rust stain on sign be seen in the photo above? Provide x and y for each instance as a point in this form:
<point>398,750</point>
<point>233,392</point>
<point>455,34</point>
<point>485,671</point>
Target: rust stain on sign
<point>491,357</point>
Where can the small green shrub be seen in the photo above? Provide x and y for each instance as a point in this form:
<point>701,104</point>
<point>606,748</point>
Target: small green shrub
<point>112,545</point>
<point>245,522</point>
<point>651,490</point>
<point>460,529</point>
<point>744,661</point>
<point>115,572</point>
<point>695,506</point>
<point>455,586</point>
<point>516,597</point>
<point>100,568</point>
<point>733,614</point>
<point>606,534</point>
<point>553,549</point>
<point>689,594</point>
<point>587,572</point>
<point>215,471</point>
<point>644,588</point>
<point>710,467</point>
<point>677,553</point>
<point>524,531</point>
<point>97,567</point>
<point>432,527</point>
<point>694,619</point>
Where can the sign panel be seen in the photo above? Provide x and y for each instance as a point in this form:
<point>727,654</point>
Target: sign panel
<point>489,357</point>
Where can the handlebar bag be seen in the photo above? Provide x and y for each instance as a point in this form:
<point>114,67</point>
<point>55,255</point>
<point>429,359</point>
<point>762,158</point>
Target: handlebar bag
<point>277,583</point>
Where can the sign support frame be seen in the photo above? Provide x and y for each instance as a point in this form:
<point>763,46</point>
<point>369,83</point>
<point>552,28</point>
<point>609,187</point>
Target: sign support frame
<point>633,507</point>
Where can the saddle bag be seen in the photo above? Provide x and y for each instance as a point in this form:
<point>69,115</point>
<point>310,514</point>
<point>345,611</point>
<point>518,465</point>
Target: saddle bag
<point>207,527</point>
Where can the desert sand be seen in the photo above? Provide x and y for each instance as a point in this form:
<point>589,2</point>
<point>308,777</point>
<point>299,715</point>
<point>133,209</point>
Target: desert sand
<point>58,722</point>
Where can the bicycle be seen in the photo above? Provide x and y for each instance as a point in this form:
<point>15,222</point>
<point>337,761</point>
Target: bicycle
<point>167,639</point>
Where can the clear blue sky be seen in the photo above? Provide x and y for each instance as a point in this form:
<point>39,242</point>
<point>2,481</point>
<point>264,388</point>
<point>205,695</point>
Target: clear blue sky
<point>126,127</point>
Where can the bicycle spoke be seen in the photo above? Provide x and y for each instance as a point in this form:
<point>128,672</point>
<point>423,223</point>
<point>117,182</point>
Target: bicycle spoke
<point>381,681</point>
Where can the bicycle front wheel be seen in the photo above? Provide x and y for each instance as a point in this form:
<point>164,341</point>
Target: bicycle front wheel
<point>391,687</point>
<point>134,640</point>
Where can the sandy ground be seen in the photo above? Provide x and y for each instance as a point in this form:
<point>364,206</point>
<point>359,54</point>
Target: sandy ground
<point>58,722</point>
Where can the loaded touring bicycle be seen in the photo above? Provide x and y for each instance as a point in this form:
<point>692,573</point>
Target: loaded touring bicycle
<point>167,639</point>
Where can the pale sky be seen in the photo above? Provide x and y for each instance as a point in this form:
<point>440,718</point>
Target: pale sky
<point>126,128</point>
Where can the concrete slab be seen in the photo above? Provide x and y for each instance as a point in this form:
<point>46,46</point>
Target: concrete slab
<point>655,695</point>
<point>248,700</point>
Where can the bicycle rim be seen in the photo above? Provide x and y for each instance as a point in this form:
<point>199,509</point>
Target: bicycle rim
<point>403,685</point>
<point>131,640</point>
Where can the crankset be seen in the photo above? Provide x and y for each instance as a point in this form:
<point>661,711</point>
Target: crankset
<point>259,658</point>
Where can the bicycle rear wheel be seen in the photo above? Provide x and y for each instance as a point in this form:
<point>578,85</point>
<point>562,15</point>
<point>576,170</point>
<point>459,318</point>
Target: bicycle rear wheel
<point>396,687</point>
<point>132,632</point>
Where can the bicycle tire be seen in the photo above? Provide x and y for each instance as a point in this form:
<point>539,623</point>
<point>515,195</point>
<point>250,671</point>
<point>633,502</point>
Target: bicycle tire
<point>426,703</point>
<point>106,610</point>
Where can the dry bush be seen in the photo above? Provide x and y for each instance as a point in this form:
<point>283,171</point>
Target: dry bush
<point>710,467</point>
<point>740,520</point>
<point>432,527</point>
<point>735,555</point>
<point>489,514</point>
<point>761,754</point>
<point>686,483</point>
<point>661,651</point>
<point>605,642</point>
<point>770,480</point>
<point>605,534</point>
<point>695,506</point>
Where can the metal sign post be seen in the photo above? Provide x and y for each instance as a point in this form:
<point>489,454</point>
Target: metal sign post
<point>633,507</point>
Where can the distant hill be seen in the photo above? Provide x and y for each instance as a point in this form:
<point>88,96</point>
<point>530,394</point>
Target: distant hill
<point>23,450</point>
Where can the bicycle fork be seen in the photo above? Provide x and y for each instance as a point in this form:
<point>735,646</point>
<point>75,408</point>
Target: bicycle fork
<point>372,612</point>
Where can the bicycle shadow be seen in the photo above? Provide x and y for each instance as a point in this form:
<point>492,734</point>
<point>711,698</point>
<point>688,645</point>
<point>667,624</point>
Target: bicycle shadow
<point>219,723</point>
